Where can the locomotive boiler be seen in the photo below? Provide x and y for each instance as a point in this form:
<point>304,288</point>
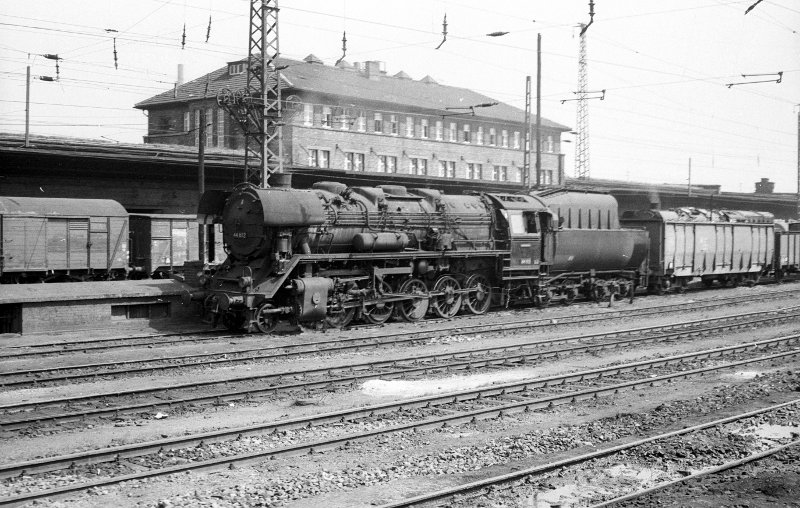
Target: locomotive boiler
<point>333,253</point>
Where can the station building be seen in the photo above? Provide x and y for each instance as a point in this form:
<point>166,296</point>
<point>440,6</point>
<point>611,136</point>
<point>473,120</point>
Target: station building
<point>357,118</point>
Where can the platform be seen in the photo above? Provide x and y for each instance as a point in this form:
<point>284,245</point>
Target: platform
<point>69,306</point>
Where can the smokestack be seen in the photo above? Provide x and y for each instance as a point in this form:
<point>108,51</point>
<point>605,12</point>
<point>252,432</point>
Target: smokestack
<point>180,74</point>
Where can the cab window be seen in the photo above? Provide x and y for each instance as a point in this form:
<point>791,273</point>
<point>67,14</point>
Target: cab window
<point>522,223</point>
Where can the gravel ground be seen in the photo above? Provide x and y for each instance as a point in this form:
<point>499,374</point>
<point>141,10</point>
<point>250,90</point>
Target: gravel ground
<point>401,465</point>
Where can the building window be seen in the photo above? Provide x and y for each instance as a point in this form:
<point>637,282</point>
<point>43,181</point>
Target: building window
<point>220,128</point>
<point>480,135</point>
<point>549,146</point>
<point>474,171</point>
<point>319,158</point>
<point>196,127</point>
<point>393,126</point>
<point>418,166</point>
<point>547,177</point>
<point>500,173</point>
<point>387,164</point>
<point>186,121</point>
<point>439,130</point>
<point>452,136</point>
<point>466,136</point>
<point>361,122</point>
<point>344,120</point>
<point>424,129</point>
<point>504,138</point>
<point>353,161</point>
<point>209,127</point>
<point>378,124</point>
<point>327,118</point>
<point>492,136</point>
<point>308,114</point>
<point>516,139</point>
<point>236,68</point>
<point>409,127</point>
<point>447,169</point>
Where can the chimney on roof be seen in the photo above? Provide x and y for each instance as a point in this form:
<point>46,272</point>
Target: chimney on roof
<point>179,81</point>
<point>373,69</point>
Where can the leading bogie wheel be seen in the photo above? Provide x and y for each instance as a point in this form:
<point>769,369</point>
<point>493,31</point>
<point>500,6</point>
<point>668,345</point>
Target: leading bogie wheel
<point>448,302</point>
<point>416,308</point>
<point>265,320</point>
<point>338,317</point>
<point>479,297</point>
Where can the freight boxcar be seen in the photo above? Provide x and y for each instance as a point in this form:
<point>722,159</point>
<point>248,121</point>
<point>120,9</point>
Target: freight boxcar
<point>53,239</point>
<point>787,248</point>
<point>162,243</point>
<point>691,244</point>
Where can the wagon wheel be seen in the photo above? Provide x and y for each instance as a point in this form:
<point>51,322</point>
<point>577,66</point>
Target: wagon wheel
<point>416,308</point>
<point>479,297</point>
<point>265,321</point>
<point>338,317</point>
<point>233,320</point>
<point>380,312</point>
<point>448,303</point>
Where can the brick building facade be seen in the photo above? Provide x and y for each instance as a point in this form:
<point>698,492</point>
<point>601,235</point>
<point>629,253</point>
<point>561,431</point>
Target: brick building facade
<point>358,118</point>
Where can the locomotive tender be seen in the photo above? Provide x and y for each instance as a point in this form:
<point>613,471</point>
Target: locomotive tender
<point>334,253</point>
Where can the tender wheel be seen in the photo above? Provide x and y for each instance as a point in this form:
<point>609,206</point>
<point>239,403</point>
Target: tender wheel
<point>542,299</point>
<point>266,321</point>
<point>339,318</point>
<point>380,312</point>
<point>448,303</point>
<point>233,320</point>
<point>479,298</point>
<point>413,310</point>
<point>568,296</point>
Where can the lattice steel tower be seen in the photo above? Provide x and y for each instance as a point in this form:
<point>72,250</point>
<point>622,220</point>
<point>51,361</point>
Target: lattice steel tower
<point>257,107</point>
<point>582,122</point>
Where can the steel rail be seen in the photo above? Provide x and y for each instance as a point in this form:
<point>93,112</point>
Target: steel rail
<point>470,363</point>
<point>539,321</point>
<point>278,352</point>
<point>724,467</point>
<point>552,466</point>
<point>526,404</point>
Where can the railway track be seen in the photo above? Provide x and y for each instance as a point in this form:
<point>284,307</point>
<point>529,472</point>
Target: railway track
<point>78,408</point>
<point>16,352</point>
<point>108,466</point>
<point>451,495</point>
<point>43,376</point>
<point>694,476</point>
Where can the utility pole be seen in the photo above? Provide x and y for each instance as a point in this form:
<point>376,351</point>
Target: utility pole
<point>689,186</point>
<point>257,107</point>
<point>201,181</point>
<point>539,111</point>
<point>27,107</point>
<point>582,121</point>
<point>798,161</point>
<point>526,158</point>
<point>582,143</point>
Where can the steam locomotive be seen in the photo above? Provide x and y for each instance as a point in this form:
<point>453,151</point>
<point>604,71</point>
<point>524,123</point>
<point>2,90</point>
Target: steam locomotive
<point>332,254</point>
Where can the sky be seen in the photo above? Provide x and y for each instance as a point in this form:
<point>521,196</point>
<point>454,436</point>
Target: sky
<point>664,66</point>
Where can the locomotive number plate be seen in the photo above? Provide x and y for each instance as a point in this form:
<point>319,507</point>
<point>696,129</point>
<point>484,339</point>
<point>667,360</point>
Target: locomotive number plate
<point>240,235</point>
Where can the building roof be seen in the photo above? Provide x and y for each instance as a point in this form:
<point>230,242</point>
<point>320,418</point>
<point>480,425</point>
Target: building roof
<point>425,94</point>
